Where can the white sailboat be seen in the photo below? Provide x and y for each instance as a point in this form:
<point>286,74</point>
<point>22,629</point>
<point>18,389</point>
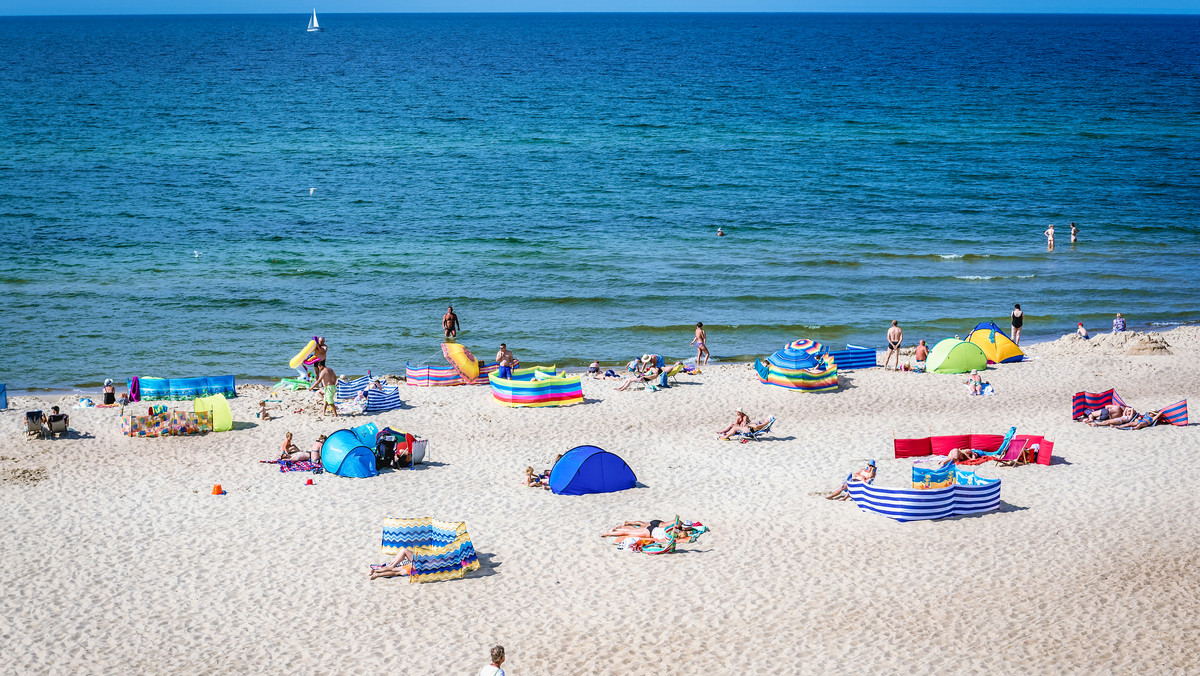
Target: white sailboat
<point>313,26</point>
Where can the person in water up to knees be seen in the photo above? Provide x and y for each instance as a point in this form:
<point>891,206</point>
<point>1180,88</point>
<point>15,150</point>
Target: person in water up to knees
<point>1049,238</point>
<point>895,336</point>
<point>698,341</point>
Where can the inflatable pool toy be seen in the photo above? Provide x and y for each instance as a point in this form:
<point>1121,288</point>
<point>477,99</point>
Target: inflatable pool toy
<point>303,355</point>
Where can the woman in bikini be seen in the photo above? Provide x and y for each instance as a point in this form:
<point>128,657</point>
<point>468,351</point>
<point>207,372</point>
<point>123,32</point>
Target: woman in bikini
<point>654,529</point>
<point>741,425</point>
<point>401,565</point>
<point>698,341</point>
<point>1146,419</point>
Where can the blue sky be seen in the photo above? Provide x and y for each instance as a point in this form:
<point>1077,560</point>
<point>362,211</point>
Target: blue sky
<point>36,7</point>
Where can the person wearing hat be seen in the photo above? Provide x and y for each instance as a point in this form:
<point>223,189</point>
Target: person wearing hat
<point>741,425</point>
<point>975,382</point>
<point>110,392</point>
<point>865,475</point>
<point>1082,332</point>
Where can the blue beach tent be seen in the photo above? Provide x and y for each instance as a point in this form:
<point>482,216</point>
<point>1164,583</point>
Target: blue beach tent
<point>351,452</point>
<point>589,469</point>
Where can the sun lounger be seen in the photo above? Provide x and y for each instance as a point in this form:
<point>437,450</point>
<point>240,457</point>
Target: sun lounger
<point>759,430</point>
<point>33,424</point>
<point>56,425</point>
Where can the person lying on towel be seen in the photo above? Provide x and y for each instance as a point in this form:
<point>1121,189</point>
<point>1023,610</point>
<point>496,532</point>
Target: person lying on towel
<point>655,529</point>
<point>865,475</point>
<point>1147,419</point>
<point>1102,413</point>
<point>1127,414</point>
<point>401,565</point>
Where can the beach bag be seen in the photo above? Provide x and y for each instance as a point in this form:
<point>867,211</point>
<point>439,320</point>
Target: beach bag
<point>385,452</point>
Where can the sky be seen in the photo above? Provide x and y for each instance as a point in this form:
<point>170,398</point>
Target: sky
<point>46,7</point>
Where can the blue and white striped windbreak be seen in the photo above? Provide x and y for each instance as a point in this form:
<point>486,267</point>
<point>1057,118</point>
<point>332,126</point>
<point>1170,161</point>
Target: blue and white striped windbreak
<point>387,399</point>
<point>908,504</point>
<point>350,389</point>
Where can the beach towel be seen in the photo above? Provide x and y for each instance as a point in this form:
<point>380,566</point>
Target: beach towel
<point>293,465</point>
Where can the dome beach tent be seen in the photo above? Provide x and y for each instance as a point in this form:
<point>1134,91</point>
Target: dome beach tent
<point>590,469</point>
<point>996,345</point>
<point>351,452</point>
<point>955,356</point>
<point>222,418</point>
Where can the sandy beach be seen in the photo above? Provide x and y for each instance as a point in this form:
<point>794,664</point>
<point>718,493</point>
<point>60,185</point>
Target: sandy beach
<point>119,560</point>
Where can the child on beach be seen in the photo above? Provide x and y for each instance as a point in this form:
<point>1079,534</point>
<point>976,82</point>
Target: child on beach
<point>594,368</point>
<point>536,480</point>
<point>262,410</point>
<point>288,448</point>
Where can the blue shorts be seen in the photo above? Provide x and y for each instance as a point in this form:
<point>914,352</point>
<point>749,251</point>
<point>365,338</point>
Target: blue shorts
<point>504,372</point>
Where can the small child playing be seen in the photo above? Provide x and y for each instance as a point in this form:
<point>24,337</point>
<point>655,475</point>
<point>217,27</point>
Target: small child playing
<point>536,480</point>
<point>594,368</point>
<point>262,410</point>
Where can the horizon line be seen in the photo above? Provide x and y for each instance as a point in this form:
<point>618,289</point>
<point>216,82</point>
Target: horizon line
<point>1147,12</point>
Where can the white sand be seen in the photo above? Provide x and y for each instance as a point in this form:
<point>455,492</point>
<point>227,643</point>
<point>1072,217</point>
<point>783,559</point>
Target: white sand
<point>117,559</point>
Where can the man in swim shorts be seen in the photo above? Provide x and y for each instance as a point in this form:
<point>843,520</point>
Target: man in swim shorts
<point>921,355</point>
<point>505,359</point>
<point>698,341</point>
<point>895,336</point>
<point>450,323</point>
<point>327,381</point>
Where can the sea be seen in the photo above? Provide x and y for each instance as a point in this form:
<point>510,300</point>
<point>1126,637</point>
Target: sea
<point>200,195</point>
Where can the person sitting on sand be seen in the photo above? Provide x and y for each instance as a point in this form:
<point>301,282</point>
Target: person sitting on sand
<point>865,475</point>
<point>740,425</point>
<point>1147,419</point>
<point>110,393</point>
<point>535,480</point>
<point>1127,414</point>
<point>594,368</point>
<point>921,355</point>
<point>288,449</point>
<point>1082,332</point>
<point>975,382</point>
<point>401,565</point>
<point>262,410</point>
<point>1118,324</point>
<point>327,380</point>
<point>654,529</point>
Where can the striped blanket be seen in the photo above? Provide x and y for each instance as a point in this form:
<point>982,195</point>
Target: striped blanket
<point>293,465</point>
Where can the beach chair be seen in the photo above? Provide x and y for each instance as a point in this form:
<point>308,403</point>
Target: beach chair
<point>33,424</point>
<point>57,424</point>
<point>757,432</point>
<point>673,373</point>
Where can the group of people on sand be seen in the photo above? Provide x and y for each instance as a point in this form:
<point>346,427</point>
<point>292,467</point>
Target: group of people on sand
<point>540,479</point>
<point>291,452</point>
<point>1121,417</point>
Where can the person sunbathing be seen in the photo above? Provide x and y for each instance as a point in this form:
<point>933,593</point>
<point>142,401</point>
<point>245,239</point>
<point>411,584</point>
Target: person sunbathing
<point>1147,419</point>
<point>741,425</point>
<point>975,382</point>
<point>650,374</point>
<point>401,565</point>
<point>1127,414</point>
<point>1102,413</point>
<point>959,455</point>
<point>865,475</point>
<point>654,529</point>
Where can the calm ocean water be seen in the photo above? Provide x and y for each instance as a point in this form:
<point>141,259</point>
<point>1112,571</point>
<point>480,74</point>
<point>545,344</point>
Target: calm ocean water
<point>559,179</point>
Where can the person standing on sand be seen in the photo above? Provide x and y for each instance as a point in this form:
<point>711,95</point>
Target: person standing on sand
<point>698,341</point>
<point>895,336</point>
<point>494,669</point>
<point>1018,320</point>
<point>1074,232</point>
<point>320,352</point>
<point>1049,237</point>
<point>450,323</point>
<point>327,381</point>
<point>505,360</point>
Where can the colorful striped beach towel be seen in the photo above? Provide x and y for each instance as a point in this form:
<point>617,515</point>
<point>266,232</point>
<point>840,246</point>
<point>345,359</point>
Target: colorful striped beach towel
<point>293,465</point>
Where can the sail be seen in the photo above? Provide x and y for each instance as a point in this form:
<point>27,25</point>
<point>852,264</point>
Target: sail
<point>312,23</point>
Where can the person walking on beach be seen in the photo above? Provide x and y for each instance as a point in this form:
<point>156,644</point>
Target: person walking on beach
<point>327,381</point>
<point>895,336</point>
<point>1074,232</point>
<point>494,669</point>
<point>1018,320</point>
<point>1049,237</point>
<point>450,323</point>
<point>698,341</point>
<point>505,359</point>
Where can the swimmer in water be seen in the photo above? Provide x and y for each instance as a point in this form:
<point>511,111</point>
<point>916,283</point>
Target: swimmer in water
<point>1049,238</point>
<point>720,232</point>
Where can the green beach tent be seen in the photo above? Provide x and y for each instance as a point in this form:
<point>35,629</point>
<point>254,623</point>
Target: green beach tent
<point>222,416</point>
<point>955,356</point>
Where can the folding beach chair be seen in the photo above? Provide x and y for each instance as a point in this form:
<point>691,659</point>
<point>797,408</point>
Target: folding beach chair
<point>33,424</point>
<point>674,372</point>
<point>57,424</point>
<point>757,432</point>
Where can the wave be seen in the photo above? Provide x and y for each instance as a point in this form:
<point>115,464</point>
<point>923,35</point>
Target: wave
<point>974,278</point>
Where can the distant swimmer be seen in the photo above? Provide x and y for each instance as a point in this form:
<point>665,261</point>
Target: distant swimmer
<point>310,191</point>
<point>196,252</point>
<point>720,232</point>
<point>1074,232</point>
<point>450,323</point>
<point>1049,237</point>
